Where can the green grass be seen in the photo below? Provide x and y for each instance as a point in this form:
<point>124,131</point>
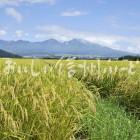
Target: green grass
<point>112,123</point>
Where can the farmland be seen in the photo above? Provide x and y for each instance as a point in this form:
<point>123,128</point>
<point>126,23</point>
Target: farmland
<point>69,100</point>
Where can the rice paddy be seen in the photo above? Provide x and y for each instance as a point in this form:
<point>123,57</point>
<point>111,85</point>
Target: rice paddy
<point>69,100</point>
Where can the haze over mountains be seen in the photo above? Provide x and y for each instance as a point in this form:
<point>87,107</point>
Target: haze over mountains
<point>53,47</point>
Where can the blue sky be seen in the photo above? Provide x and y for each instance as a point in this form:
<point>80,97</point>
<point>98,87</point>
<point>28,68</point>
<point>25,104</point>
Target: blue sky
<point>113,23</point>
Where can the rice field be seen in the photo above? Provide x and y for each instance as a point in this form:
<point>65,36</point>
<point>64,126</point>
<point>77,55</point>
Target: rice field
<point>69,100</point>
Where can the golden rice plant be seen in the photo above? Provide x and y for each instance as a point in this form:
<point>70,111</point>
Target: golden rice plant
<point>46,107</point>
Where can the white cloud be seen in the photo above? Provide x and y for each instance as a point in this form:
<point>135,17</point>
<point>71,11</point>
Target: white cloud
<point>3,32</point>
<point>124,43</point>
<point>20,33</point>
<point>73,13</point>
<point>14,13</point>
<point>17,2</point>
<point>64,34</point>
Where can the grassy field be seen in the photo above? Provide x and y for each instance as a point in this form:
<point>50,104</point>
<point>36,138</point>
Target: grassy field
<point>69,100</point>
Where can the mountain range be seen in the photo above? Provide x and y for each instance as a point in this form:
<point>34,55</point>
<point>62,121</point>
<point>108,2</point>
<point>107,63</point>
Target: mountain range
<point>54,47</point>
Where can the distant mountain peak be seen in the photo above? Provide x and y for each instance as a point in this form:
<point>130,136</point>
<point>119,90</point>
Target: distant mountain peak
<point>51,40</point>
<point>22,41</point>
